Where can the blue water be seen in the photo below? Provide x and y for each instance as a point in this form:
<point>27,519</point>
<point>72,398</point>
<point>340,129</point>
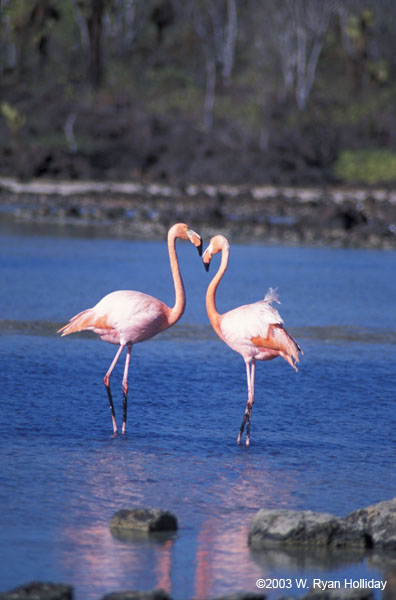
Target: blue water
<point>323,439</point>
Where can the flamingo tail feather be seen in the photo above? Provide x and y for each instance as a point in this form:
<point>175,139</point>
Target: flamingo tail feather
<point>78,323</point>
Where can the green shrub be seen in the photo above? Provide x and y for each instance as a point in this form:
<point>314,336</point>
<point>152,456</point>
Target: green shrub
<point>366,166</point>
<point>15,120</point>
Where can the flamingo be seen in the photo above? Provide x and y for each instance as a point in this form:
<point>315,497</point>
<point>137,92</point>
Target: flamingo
<point>255,330</point>
<point>128,317</point>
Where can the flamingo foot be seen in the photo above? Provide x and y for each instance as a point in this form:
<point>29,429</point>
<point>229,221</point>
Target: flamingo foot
<point>242,427</point>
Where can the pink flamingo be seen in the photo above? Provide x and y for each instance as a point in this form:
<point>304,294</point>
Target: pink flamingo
<point>255,330</point>
<point>127,317</point>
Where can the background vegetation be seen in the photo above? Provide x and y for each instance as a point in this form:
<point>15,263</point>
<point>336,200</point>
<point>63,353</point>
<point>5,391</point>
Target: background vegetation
<point>282,91</point>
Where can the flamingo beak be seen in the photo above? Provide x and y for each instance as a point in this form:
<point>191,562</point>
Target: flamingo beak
<point>207,257</point>
<point>199,248</point>
<point>195,239</point>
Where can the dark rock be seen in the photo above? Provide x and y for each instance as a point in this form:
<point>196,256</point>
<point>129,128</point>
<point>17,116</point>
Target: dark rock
<point>339,594</point>
<point>148,520</point>
<point>37,590</point>
<point>336,594</point>
<point>244,596</point>
<point>134,595</point>
<point>307,528</point>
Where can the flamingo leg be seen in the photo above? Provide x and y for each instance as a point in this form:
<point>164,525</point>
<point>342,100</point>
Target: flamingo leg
<point>125,388</point>
<point>250,371</point>
<point>250,403</point>
<point>107,384</point>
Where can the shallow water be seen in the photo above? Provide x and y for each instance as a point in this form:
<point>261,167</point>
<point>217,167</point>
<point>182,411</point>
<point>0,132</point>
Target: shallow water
<point>323,439</point>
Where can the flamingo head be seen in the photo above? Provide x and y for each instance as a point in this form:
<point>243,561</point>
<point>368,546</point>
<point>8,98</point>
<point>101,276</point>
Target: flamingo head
<point>216,244</point>
<point>184,232</point>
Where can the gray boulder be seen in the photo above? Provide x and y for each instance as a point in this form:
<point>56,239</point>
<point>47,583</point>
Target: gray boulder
<point>38,590</point>
<point>377,523</point>
<point>271,528</point>
<point>148,520</point>
<point>366,528</point>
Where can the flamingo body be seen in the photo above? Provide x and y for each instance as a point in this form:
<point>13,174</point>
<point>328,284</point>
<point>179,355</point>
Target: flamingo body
<point>245,328</point>
<point>122,317</point>
<point>254,330</point>
<point>127,317</point>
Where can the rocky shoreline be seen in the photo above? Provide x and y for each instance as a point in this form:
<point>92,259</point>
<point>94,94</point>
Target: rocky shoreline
<point>340,217</point>
<point>58,591</point>
<point>309,536</point>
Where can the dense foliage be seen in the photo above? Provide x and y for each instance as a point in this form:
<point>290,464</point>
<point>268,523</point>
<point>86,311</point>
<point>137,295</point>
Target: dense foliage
<point>229,90</point>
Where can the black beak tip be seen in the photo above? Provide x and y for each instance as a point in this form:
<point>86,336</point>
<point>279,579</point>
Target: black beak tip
<point>206,265</point>
<point>199,248</point>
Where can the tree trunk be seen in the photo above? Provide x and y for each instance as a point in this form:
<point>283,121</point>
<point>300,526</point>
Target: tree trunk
<point>95,28</point>
<point>230,41</point>
<point>209,92</point>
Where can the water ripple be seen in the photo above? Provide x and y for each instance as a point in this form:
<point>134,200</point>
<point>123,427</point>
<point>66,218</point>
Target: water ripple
<point>204,332</point>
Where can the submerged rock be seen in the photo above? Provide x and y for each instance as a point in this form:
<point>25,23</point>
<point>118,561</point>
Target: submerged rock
<point>147,520</point>
<point>38,590</point>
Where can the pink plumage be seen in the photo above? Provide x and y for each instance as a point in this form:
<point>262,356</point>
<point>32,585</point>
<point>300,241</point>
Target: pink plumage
<point>255,330</point>
<point>121,317</point>
<point>128,317</point>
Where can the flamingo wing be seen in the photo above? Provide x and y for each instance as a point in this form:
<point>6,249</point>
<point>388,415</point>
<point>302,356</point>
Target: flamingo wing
<point>256,331</point>
<point>249,321</point>
<point>121,317</point>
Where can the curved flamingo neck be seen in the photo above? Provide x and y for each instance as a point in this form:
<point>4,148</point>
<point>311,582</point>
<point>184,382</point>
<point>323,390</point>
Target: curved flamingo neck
<point>213,314</point>
<point>180,296</point>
